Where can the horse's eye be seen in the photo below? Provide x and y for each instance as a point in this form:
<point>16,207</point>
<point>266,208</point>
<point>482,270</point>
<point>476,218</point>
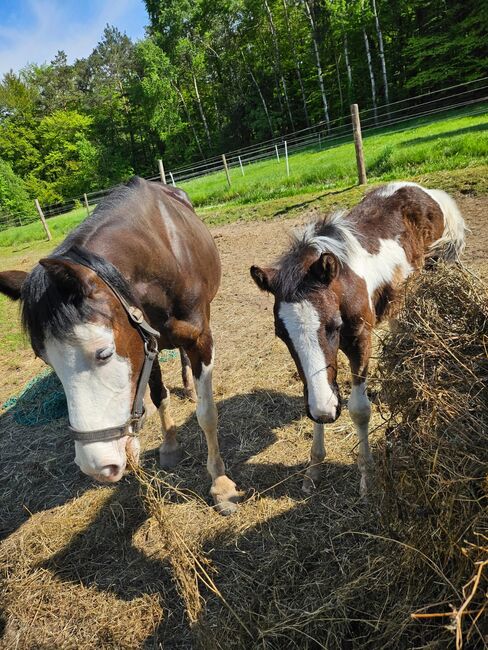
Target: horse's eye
<point>102,354</point>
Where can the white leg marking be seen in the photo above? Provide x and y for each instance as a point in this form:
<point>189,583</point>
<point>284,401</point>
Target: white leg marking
<point>302,323</point>
<point>360,412</point>
<point>317,455</point>
<point>223,490</point>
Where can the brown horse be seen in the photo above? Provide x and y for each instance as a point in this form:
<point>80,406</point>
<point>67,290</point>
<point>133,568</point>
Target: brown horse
<point>137,276</point>
<point>338,280</point>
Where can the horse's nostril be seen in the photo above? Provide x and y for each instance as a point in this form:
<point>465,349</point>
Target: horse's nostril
<point>109,471</point>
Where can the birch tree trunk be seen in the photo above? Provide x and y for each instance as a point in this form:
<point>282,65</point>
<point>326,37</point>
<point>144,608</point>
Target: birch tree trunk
<point>188,117</point>
<point>263,101</point>
<point>202,112</point>
<point>313,30</point>
<point>297,64</point>
<point>382,51</point>
<point>371,76</point>
<point>348,65</point>
<point>279,69</point>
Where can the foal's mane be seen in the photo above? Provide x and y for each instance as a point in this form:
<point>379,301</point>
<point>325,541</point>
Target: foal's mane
<point>332,234</point>
<point>46,307</point>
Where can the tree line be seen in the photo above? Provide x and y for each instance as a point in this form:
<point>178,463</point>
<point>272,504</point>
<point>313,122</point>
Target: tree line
<point>214,75</point>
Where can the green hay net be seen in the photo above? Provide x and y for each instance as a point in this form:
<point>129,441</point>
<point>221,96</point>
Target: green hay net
<point>42,399</point>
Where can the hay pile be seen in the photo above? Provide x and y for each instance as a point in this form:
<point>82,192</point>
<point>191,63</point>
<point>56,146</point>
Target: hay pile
<point>412,574</point>
<point>434,376</point>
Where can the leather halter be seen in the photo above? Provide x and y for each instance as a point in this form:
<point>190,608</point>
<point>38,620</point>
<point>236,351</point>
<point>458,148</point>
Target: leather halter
<point>149,336</point>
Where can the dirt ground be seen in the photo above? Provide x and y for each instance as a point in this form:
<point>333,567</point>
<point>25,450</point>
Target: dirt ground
<point>85,565</point>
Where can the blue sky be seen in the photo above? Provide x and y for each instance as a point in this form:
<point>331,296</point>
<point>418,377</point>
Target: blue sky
<point>32,31</point>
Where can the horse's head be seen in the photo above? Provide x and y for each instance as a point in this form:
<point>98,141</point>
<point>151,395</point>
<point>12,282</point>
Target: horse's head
<point>308,320</point>
<point>78,326</point>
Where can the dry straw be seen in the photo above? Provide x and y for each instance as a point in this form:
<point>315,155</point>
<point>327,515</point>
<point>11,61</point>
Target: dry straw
<point>149,564</point>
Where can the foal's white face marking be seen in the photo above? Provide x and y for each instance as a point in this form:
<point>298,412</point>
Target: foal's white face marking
<point>302,323</point>
<point>98,393</point>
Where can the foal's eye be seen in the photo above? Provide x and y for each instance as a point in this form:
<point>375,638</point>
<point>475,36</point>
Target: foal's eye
<point>102,354</point>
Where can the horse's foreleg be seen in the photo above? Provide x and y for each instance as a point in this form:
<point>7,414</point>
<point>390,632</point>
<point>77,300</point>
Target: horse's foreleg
<point>170,451</point>
<point>360,408</point>
<point>187,376</point>
<point>317,455</point>
<point>223,490</point>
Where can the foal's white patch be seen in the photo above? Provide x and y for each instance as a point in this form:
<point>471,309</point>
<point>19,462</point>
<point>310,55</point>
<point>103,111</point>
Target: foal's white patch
<point>173,234</point>
<point>302,323</point>
<point>378,270</point>
<point>98,394</point>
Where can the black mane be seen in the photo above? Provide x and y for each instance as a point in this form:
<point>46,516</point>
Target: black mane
<point>292,281</point>
<point>50,309</point>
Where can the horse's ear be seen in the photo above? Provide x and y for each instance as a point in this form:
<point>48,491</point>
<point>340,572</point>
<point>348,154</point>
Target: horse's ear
<point>11,283</point>
<point>263,277</point>
<point>326,268</point>
<point>72,278</point>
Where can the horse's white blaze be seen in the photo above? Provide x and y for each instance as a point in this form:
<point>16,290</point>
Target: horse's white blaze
<point>380,268</point>
<point>302,323</point>
<point>98,394</point>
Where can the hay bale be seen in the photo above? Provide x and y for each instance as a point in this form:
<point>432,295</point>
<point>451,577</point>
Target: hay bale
<point>433,371</point>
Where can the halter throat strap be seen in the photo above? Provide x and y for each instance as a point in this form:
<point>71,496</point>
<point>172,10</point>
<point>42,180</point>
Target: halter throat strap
<point>149,336</point>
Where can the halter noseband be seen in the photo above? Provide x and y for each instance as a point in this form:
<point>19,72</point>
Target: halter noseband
<point>149,336</point>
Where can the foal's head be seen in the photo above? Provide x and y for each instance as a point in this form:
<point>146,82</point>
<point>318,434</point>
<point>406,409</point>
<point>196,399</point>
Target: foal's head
<point>78,326</point>
<point>306,287</point>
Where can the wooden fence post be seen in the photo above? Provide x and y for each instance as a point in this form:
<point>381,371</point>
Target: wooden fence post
<point>286,157</point>
<point>358,143</point>
<point>161,171</point>
<point>226,168</point>
<point>86,205</point>
<point>43,219</point>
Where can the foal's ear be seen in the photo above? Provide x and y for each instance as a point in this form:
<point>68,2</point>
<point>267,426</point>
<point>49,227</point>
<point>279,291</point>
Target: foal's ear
<point>326,268</point>
<point>11,283</point>
<point>263,277</point>
<point>68,276</point>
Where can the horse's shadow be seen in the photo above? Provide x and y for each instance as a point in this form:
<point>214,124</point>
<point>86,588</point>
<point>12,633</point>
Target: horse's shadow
<point>104,555</point>
<point>36,460</point>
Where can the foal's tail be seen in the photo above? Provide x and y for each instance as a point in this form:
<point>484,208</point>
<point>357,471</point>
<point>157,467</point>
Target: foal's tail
<point>450,246</point>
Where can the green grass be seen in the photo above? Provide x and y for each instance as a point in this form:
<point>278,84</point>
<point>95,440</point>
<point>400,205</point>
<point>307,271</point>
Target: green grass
<point>421,147</point>
<point>451,143</point>
<point>58,226</point>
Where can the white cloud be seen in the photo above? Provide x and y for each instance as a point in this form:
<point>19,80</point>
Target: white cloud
<point>55,29</point>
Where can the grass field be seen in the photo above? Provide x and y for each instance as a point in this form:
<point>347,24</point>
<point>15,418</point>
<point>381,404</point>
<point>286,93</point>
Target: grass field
<point>421,147</point>
<point>418,147</point>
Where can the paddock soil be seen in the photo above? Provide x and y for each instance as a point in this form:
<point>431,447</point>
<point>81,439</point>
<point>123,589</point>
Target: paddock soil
<point>89,566</point>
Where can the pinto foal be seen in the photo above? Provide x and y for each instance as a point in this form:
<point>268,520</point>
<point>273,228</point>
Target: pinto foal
<point>338,280</point>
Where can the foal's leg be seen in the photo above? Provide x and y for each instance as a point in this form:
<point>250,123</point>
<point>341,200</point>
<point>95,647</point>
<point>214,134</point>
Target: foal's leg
<point>187,376</point>
<point>360,407</point>
<point>317,455</point>
<point>223,490</point>
<point>170,451</point>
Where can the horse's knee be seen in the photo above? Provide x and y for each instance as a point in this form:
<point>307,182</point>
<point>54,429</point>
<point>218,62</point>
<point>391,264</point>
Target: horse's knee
<point>207,415</point>
<point>359,405</point>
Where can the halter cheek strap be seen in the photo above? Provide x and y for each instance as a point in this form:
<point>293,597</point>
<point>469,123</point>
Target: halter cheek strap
<point>149,336</point>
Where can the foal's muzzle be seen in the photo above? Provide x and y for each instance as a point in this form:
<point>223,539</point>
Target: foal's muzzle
<point>324,418</point>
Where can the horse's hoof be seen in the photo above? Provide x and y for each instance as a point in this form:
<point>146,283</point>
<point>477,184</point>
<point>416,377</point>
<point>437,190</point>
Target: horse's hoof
<point>308,486</point>
<point>226,508</point>
<point>170,458</point>
<point>225,495</point>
